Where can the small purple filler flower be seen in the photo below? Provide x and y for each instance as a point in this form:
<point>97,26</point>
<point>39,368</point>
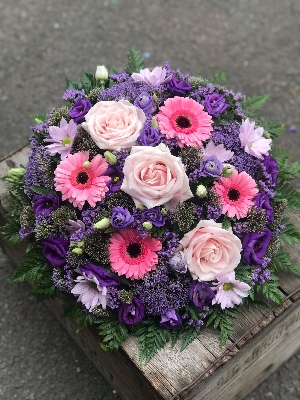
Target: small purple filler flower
<point>79,110</point>
<point>215,104</point>
<point>45,203</point>
<point>120,218</point>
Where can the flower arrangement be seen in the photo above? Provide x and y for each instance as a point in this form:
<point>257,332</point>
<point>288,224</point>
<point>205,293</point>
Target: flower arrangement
<point>153,204</point>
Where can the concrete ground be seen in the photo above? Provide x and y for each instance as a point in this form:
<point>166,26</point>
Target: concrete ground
<point>41,43</point>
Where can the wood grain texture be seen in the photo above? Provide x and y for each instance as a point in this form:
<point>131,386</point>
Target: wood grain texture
<point>197,368</point>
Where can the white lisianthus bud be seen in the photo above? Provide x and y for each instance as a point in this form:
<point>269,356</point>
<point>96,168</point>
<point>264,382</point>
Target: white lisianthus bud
<point>103,224</point>
<point>86,164</point>
<point>201,191</point>
<point>147,225</point>
<point>227,172</point>
<point>163,212</point>
<point>101,73</point>
<point>154,123</point>
<point>77,250</point>
<point>14,174</point>
<point>140,207</point>
<point>110,158</point>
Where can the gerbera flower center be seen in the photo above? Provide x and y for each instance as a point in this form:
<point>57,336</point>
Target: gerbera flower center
<point>82,177</point>
<point>233,194</point>
<point>183,122</point>
<point>134,249</point>
<point>227,286</point>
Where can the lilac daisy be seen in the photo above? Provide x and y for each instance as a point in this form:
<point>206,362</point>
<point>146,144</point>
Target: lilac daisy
<point>91,293</point>
<point>229,290</point>
<point>252,140</point>
<point>61,138</point>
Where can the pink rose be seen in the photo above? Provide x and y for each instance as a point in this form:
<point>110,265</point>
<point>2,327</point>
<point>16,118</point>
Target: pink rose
<point>152,176</point>
<point>210,250</point>
<point>114,124</point>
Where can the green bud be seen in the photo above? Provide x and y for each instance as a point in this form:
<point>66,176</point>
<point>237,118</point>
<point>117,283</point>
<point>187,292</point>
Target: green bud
<point>14,174</point>
<point>155,98</point>
<point>154,123</point>
<point>73,244</point>
<point>147,225</point>
<point>201,191</point>
<point>101,73</point>
<point>163,212</point>
<point>77,250</point>
<point>86,164</point>
<point>227,172</point>
<point>110,158</point>
<point>80,244</point>
<point>140,207</point>
<point>103,224</point>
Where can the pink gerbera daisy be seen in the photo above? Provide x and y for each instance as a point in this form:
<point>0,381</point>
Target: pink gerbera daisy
<point>183,118</point>
<point>80,180</point>
<point>236,193</point>
<point>131,255</point>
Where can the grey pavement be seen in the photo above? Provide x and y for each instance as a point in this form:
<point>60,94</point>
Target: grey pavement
<point>41,43</point>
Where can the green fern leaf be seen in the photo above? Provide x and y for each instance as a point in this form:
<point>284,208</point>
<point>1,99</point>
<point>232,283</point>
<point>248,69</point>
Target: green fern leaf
<point>251,105</point>
<point>134,62</point>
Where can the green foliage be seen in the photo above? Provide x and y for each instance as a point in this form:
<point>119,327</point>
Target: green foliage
<point>280,155</point>
<point>113,331</point>
<point>32,268</point>
<point>287,171</point>
<point>151,338</point>
<point>74,85</point>
<point>251,105</point>
<point>226,224</point>
<point>222,319</point>
<point>88,82</point>
<point>243,273</point>
<point>39,118</point>
<point>282,261</point>
<point>270,289</point>
<point>286,192</point>
<point>275,129</point>
<point>189,334</point>
<point>219,79</point>
<point>41,190</point>
<point>290,234</point>
<point>45,289</point>
<point>134,62</point>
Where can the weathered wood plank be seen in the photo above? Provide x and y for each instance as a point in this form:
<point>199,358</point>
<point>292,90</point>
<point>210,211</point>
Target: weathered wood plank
<point>197,367</point>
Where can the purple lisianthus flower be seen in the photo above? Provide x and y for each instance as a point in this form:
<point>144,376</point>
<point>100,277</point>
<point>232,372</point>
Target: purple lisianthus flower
<point>55,251</point>
<point>211,167</point>
<point>131,314</point>
<point>178,262</point>
<point>261,201</point>
<point>149,137</point>
<point>215,104</point>
<point>79,110</point>
<point>255,246</point>
<point>116,175</point>
<point>45,203</point>
<point>272,169</point>
<point>146,103</point>
<point>154,216</point>
<point>103,277</point>
<point>120,218</point>
<point>201,294</point>
<point>178,87</point>
<point>171,320</point>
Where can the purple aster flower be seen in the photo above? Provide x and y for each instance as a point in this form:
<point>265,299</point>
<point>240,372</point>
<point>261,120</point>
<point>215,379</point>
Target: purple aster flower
<point>255,246</point>
<point>120,218</point>
<point>116,175</point>
<point>55,251</point>
<point>211,167</point>
<point>61,138</point>
<point>272,169</point>
<point>178,263</point>
<point>146,103</point>
<point>154,216</point>
<point>131,314</point>
<point>103,277</point>
<point>215,104</point>
<point>79,110</point>
<point>261,201</point>
<point>45,203</point>
<point>178,87</point>
<point>201,294</point>
<point>171,320</point>
<point>229,290</point>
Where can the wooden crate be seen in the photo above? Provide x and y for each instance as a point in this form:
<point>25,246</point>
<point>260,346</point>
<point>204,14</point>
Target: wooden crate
<point>260,343</point>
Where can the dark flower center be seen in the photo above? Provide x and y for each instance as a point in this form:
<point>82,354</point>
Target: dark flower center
<point>183,122</point>
<point>233,194</point>
<point>82,177</point>
<point>134,249</point>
